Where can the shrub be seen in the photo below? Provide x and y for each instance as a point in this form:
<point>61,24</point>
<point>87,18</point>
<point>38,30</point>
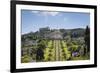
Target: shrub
<point>25,59</point>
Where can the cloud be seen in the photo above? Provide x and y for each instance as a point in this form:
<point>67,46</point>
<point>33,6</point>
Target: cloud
<point>50,13</point>
<point>35,11</point>
<point>45,13</point>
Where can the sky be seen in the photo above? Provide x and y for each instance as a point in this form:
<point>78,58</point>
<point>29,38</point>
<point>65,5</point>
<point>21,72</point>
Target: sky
<point>31,20</point>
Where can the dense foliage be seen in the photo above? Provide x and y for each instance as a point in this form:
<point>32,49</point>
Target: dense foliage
<point>72,44</point>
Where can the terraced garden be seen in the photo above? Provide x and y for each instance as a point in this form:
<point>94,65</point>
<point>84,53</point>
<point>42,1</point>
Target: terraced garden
<point>56,51</point>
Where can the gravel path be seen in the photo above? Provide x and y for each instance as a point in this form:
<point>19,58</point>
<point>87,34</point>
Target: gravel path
<point>57,49</point>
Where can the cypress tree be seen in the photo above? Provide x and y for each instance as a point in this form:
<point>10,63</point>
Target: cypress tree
<point>87,38</point>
